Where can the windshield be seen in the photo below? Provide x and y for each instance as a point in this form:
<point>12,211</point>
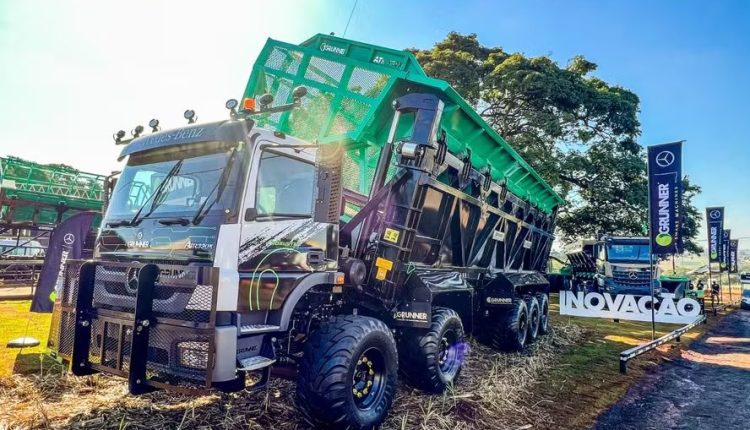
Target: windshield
<point>183,178</point>
<point>627,252</point>
<point>285,186</point>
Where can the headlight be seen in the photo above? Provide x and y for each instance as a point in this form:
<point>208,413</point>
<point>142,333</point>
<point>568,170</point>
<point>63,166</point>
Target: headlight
<point>193,354</point>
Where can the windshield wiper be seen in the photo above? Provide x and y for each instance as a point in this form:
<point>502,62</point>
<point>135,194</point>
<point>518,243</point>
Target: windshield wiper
<point>219,188</point>
<point>282,215</point>
<point>120,223</point>
<point>172,221</point>
<point>156,194</point>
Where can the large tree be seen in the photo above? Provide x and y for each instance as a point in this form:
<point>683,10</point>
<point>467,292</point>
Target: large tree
<point>578,131</point>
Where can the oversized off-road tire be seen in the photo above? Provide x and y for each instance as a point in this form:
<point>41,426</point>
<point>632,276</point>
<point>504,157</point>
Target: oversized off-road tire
<point>543,300</point>
<point>532,307</point>
<point>431,359</point>
<point>507,332</point>
<point>347,375</point>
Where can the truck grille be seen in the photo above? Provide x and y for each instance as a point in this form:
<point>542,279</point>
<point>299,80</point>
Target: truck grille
<point>631,278</point>
<point>180,340</point>
<point>178,294</point>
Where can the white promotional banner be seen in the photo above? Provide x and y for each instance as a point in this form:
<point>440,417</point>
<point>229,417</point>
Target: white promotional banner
<point>629,307</point>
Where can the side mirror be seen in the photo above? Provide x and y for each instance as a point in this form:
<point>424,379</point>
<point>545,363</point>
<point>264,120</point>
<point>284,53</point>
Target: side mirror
<point>251,214</point>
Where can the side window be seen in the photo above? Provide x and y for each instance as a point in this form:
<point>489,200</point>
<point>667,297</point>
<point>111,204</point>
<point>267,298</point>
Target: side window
<point>285,185</point>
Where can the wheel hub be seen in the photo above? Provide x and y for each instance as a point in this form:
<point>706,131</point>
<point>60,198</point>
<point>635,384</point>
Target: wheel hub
<point>448,354</point>
<point>367,379</point>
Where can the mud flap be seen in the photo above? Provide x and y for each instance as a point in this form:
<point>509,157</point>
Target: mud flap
<point>412,314</point>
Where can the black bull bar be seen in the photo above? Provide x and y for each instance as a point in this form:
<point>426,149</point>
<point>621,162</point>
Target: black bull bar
<point>152,324</point>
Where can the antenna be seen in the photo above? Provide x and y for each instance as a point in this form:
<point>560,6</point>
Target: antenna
<point>351,14</point>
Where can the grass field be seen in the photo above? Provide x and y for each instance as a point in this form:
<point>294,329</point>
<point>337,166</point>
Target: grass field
<point>562,381</point>
<point>16,321</point>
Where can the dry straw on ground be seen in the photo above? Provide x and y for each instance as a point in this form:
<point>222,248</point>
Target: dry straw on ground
<point>494,391</point>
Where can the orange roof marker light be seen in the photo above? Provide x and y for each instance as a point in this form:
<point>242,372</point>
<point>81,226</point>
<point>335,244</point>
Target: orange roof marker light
<point>248,103</point>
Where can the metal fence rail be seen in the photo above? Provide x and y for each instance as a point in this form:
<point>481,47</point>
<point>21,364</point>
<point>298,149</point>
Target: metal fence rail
<point>631,353</point>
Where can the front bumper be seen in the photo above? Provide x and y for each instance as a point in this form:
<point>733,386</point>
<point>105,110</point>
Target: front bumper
<point>153,324</point>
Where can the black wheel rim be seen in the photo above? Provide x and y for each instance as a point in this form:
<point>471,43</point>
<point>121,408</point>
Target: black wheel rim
<point>543,316</point>
<point>522,328</point>
<point>534,322</point>
<point>368,380</point>
<point>448,354</point>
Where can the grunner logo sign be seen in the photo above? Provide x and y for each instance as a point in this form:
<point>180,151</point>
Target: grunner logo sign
<point>714,232</point>
<point>629,307</point>
<point>664,238</point>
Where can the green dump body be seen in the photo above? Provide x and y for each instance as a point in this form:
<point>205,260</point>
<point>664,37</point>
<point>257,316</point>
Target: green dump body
<point>351,87</point>
<point>30,186</point>
<point>674,278</point>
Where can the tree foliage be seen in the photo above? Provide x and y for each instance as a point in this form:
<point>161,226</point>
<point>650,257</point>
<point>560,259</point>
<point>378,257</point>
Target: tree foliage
<point>578,131</point>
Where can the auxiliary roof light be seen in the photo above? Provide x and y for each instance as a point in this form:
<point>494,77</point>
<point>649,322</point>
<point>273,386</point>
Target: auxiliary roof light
<point>154,124</point>
<point>190,116</point>
<point>265,101</point>
<point>136,132</point>
<point>118,137</point>
<point>299,92</point>
<point>232,104</point>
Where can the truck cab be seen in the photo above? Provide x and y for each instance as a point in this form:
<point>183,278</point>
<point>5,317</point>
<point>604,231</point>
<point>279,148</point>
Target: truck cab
<point>624,266</point>
<point>617,265</point>
<point>222,216</point>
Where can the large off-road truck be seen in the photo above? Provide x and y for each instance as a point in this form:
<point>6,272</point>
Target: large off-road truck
<point>615,264</point>
<point>333,233</point>
<point>619,265</point>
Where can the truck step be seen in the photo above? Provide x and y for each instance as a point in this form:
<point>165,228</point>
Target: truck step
<point>258,328</point>
<point>254,363</point>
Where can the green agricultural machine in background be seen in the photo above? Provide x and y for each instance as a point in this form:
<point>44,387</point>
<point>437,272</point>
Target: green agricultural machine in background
<point>33,194</point>
<point>34,198</point>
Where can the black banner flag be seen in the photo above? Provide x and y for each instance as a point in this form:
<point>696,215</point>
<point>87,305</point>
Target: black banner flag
<point>715,222</point>
<point>733,249</point>
<point>724,254</point>
<point>65,243</point>
<point>665,197</point>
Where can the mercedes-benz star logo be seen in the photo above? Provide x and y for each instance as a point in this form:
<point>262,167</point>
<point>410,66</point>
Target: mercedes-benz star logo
<point>633,275</point>
<point>665,158</point>
<point>69,238</point>
<point>131,283</point>
<point>715,214</point>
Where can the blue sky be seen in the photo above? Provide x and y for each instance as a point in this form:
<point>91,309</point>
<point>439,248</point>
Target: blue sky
<point>70,76</point>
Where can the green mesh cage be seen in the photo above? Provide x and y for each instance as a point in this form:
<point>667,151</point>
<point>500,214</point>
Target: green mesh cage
<point>351,86</point>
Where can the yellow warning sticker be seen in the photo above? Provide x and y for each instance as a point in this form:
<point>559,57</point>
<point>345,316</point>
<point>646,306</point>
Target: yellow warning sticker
<point>380,275</point>
<point>391,235</point>
<point>383,263</point>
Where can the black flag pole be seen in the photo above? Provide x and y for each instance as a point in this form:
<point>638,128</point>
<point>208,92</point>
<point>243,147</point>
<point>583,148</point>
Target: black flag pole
<point>715,228</point>
<point>664,169</point>
<point>651,255</point>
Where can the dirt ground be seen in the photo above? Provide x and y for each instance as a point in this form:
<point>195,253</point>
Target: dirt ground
<point>705,388</point>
